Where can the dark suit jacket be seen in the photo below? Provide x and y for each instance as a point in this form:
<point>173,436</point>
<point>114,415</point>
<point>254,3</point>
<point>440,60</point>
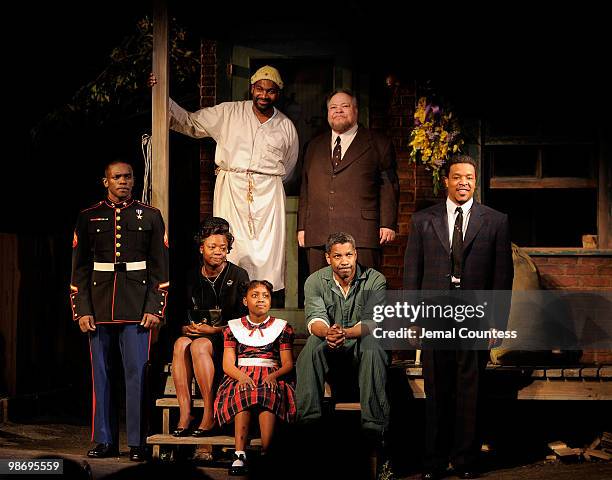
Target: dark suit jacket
<point>487,254</point>
<point>357,197</point>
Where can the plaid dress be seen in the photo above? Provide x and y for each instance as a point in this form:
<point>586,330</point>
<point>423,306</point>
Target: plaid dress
<point>230,400</point>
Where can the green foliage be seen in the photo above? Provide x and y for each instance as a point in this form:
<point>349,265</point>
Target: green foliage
<point>121,90</point>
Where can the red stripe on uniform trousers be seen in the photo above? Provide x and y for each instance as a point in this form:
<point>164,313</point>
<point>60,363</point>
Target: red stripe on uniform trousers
<point>93,396</point>
<point>114,292</point>
<point>149,346</point>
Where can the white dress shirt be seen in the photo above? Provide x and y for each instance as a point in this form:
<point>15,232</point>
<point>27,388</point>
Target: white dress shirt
<point>346,139</point>
<point>451,211</point>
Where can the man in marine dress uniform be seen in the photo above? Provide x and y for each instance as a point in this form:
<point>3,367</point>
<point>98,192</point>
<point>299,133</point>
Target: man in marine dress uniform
<point>118,294</point>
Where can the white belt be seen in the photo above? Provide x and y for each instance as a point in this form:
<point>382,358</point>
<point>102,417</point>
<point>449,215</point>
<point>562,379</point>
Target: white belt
<point>117,267</point>
<point>256,362</point>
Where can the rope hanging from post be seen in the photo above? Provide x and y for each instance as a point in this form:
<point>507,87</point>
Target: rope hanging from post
<point>147,185</point>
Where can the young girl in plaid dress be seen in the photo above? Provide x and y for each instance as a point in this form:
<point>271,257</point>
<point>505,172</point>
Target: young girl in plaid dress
<point>257,354</point>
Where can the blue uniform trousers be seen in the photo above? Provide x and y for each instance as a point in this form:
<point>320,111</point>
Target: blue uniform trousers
<point>133,342</point>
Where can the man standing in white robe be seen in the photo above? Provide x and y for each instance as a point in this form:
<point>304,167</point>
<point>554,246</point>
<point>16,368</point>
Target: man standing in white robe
<point>257,148</point>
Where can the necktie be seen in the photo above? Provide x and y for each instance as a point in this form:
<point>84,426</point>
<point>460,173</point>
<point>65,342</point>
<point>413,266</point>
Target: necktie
<point>457,246</point>
<point>337,154</point>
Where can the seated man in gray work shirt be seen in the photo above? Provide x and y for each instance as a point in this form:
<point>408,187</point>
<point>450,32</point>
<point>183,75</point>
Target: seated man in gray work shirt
<point>334,307</point>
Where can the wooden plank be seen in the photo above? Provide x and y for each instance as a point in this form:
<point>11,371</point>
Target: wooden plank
<point>571,373</point>
<point>10,281</point>
<point>599,454</point>
<point>568,452</point>
<point>523,141</point>
<point>595,443</point>
<point>348,406</point>
<point>605,371</point>
<point>533,182</point>
<point>554,372</point>
<point>554,446</point>
<point>545,390</point>
<point>414,371</point>
<point>166,421</point>
<point>160,439</point>
<point>566,251</point>
<point>604,201</point>
<point>589,372</point>
<point>170,389</point>
<point>327,393</point>
<point>417,385</point>
<point>160,148</point>
<point>173,402</point>
<point>558,390</point>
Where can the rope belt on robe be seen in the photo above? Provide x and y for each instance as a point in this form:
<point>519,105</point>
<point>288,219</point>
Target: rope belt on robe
<point>250,190</point>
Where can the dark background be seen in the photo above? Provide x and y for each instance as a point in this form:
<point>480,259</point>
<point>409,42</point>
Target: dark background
<point>515,60</point>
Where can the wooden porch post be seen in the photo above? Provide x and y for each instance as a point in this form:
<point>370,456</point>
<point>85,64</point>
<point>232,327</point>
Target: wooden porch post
<point>160,151</point>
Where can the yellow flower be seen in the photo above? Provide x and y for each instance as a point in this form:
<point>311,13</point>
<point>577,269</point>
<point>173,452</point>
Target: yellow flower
<point>433,137</point>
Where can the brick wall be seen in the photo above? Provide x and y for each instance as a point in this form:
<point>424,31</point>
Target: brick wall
<point>574,272</point>
<point>394,118</point>
<point>208,98</point>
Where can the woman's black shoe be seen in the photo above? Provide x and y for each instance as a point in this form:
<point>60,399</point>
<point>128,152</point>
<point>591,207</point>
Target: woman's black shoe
<point>198,432</point>
<point>181,432</point>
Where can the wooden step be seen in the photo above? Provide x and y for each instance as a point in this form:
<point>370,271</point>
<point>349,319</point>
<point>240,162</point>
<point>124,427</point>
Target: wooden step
<point>173,402</point>
<point>161,439</point>
<point>348,406</point>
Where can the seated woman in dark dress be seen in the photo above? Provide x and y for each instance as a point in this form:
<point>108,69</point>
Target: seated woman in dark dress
<point>213,293</point>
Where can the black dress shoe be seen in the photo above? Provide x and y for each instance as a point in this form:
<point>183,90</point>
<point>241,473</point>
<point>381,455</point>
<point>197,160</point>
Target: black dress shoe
<point>198,432</point>
<point>138,454</point>
<point>181,432</point>
<point>103,450</point>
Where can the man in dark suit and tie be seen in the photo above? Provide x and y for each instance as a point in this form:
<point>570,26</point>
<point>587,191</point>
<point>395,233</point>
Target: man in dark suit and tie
<point>349,183</point>
<point>457,244</point>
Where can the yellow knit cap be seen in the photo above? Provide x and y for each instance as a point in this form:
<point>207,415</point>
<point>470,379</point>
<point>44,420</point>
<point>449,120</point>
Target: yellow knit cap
<point>268,73</point>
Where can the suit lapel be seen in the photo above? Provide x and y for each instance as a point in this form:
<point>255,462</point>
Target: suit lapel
<point>324,151</point>
<point>440,225</point>
<point>359,145</point>
<point>474,225</point>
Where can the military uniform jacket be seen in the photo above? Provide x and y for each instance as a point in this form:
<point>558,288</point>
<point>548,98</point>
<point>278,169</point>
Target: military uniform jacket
<point>119,262</point>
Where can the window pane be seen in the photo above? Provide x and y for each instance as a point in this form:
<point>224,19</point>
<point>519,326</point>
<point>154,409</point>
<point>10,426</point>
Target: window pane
<point>513,161</point>
<point>547,217</point>
<point>567,161</point>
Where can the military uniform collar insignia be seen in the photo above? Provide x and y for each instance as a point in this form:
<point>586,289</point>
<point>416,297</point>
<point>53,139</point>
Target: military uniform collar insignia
<point>119,205</point>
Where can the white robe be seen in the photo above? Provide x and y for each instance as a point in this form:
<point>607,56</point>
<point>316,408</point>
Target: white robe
<point>262,154</point>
